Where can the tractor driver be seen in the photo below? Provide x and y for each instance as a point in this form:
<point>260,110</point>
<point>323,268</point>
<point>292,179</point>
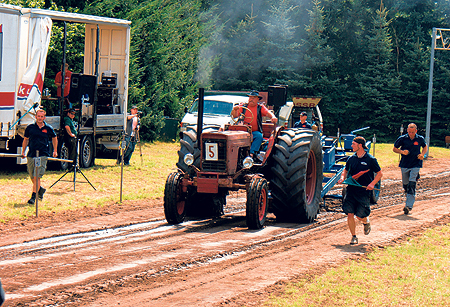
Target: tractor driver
<point>303,124</point>
<point>258,111</point>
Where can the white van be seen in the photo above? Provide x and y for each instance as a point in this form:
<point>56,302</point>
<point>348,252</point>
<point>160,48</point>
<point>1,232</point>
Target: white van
<point>216,110</point>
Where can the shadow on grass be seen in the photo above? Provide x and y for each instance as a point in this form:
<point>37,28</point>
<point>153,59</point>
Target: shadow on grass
<point>23,204</point>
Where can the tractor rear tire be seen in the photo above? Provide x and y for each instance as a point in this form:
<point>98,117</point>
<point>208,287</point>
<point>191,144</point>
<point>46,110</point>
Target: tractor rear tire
<point>257,205</point>
<point>189,144</point>
<point>296,171</point>
<point>174,199</point>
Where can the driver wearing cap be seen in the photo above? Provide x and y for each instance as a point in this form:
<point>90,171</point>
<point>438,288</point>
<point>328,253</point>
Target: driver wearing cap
<point>303,124</point>
<point>253,117</point>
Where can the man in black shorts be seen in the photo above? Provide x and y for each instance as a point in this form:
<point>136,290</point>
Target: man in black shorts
<point>37,137</point>
<point>361,167</point>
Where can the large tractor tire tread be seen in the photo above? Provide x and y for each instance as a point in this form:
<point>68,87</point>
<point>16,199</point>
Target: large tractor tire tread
<point>296,175</point>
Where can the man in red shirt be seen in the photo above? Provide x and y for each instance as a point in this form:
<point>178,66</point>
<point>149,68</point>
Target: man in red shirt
<point>58,83</point>
<point>254,119</point>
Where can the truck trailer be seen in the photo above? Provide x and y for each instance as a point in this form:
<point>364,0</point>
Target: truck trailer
<point>98,93</point>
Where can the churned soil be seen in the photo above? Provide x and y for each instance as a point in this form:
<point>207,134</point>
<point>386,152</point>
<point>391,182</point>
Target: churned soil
<point>127,255</point>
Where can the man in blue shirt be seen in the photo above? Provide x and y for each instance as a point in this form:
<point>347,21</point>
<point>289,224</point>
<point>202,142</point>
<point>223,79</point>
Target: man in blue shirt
<point>37,138</point>
<point>409,145</point>
<point>361,167</point>
<point>303,123</point>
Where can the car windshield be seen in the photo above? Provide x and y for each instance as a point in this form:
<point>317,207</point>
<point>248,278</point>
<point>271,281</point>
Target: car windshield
<point>213,107</point>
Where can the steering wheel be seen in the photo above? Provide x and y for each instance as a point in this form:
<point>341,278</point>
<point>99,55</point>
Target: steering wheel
<point>242,116</point>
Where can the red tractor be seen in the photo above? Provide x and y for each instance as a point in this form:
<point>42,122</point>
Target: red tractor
<point>213,161</point>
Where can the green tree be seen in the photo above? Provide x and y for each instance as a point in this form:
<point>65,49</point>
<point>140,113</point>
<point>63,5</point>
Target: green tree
<point>378,83</point>
<point>318,76</point>
<point>239,66</point>
<point>167,36</point>
<point>283,52</point>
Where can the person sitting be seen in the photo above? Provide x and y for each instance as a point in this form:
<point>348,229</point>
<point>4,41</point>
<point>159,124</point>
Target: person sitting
<point>253,117</point>
<point>303,124</point>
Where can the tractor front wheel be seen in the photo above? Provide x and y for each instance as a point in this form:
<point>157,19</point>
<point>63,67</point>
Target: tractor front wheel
<point>174,199</point>
<point>256,207</point>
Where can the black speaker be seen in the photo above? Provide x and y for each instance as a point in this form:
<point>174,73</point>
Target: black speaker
<point>276,96</point>
<point>82,88</point>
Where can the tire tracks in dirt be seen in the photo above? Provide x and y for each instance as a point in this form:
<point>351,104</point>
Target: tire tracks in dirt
<point>163,265</point>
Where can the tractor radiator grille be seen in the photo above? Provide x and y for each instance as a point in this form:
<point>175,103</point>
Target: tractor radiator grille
<point>221,164</point>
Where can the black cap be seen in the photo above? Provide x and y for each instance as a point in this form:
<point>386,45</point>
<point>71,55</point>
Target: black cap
<point>303,114</point>
<point>72,110</point>
<point>360,140</point>
<point>255,93</point>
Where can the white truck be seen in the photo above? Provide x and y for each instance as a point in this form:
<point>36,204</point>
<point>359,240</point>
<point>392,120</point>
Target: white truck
<point>99,93</point>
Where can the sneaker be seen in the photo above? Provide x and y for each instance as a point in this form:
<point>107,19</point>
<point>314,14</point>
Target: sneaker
<point>367,228</point>
<point>406,210</point>
<point>32,200</point>
<point>41,193</point>
<point>354,240</point>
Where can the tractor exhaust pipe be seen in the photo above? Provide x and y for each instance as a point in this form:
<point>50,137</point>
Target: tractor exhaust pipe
<point>201,102</point>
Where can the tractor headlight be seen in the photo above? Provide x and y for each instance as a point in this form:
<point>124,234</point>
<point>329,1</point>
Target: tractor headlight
<point>248,162</point>
<point>188,159</point>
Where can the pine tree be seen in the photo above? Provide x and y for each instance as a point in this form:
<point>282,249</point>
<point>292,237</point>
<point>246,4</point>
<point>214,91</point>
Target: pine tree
<point>319,77</point>
<point>378,84</point>
<point>283,53</point>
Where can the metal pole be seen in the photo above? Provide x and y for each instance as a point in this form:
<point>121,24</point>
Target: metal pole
<point>121,164</point>
<point>37,164</point>
<point>201,97</point>
<point>374,141</point>
<point>430,90</point>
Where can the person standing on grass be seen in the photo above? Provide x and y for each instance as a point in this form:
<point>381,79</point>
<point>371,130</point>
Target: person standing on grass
<point>132,129</point>
<point>408,145</point>
<point>361,166</point>
<point>37,137</point>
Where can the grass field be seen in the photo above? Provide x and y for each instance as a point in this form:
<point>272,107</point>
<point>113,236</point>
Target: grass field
<point>141,181</point>
<point>416,273</point>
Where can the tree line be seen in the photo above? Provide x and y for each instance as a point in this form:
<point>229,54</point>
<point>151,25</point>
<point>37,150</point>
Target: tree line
<point>368,60</point>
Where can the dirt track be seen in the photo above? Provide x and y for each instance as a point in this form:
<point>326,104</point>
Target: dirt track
<point>127,255</point>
